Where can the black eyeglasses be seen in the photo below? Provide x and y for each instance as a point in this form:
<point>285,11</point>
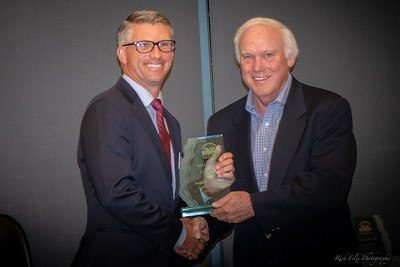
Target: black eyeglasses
<point>148,46</point>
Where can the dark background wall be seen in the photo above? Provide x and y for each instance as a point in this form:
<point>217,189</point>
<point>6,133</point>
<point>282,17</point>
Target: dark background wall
<point>56,55</point>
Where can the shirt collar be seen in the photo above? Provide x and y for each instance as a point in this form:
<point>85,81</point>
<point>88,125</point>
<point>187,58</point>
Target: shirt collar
<point>143,94</point>
<point>281,99</point>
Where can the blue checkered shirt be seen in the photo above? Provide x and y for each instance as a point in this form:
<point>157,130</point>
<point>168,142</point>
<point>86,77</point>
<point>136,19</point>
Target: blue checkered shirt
<point>263,133</point>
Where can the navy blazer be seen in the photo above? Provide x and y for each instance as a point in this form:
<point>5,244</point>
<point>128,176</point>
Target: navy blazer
<point>131,214</point>
<point>304,211</point>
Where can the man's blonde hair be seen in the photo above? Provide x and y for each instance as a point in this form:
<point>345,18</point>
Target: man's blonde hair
<point>137,17</point>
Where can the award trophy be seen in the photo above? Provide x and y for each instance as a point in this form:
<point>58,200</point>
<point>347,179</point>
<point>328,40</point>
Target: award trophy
<point>372,236</point>
<point>199,185</point>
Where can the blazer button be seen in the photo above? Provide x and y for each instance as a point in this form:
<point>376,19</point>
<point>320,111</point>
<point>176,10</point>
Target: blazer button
<point>268,235</point>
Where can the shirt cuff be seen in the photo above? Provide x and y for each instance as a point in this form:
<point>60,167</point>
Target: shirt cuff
<point>181,238</point>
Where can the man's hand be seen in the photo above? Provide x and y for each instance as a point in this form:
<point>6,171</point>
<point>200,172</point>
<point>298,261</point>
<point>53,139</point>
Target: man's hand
<point>196,237</point>
<point>225,167</point>
<point>218,175</point>
<point>235,207</point>
<point>200,229</point>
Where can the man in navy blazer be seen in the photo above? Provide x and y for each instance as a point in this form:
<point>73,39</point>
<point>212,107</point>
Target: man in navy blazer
<point>130,181</point>
<point>295,156</point>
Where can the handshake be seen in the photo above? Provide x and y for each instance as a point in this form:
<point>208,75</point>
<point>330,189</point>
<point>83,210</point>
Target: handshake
<point>197,235</point>
<point>218,174</point>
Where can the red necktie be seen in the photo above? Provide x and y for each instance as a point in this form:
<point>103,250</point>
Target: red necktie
<point>162,130</point>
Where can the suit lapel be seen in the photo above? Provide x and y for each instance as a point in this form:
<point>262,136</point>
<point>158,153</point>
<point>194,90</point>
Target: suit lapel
<point>290,131</point>
<point>173,132</point>
<point>240,140</point>
<point>144,119</point>
<point>175,136</point>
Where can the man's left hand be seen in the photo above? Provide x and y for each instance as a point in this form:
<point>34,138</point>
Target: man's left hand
<point>235,207</point>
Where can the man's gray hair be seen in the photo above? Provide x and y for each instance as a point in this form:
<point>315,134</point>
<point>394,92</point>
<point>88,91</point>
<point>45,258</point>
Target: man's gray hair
<point>289,41</point>
<point>138,17</point>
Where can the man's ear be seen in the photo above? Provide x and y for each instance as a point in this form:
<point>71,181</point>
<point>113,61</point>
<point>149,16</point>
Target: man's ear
<point>290,62</point>
<point>121,54</point>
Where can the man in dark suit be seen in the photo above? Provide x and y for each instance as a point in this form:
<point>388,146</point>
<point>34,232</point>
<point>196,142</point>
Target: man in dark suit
<point>128,154</point>
<point>295,156</point>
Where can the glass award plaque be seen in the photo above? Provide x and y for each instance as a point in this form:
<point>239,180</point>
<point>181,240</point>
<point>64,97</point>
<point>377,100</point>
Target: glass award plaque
<point>372,236</point>
<point>199,185</point>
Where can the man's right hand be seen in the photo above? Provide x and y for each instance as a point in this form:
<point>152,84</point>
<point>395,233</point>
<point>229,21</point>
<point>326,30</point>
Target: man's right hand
<point>218,171</point>
<point>196,236</point>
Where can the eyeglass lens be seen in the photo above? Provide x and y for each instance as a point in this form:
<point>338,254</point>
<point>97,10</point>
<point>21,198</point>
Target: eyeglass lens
<point>148,46</point>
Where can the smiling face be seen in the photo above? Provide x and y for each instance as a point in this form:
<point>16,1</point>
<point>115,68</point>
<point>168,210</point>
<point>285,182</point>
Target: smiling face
<point>263,64</point>
<point>147,69</point>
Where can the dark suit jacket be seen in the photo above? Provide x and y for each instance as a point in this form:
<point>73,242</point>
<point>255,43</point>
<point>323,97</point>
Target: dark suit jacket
<point>130,210</point>
<point>304,213</point>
